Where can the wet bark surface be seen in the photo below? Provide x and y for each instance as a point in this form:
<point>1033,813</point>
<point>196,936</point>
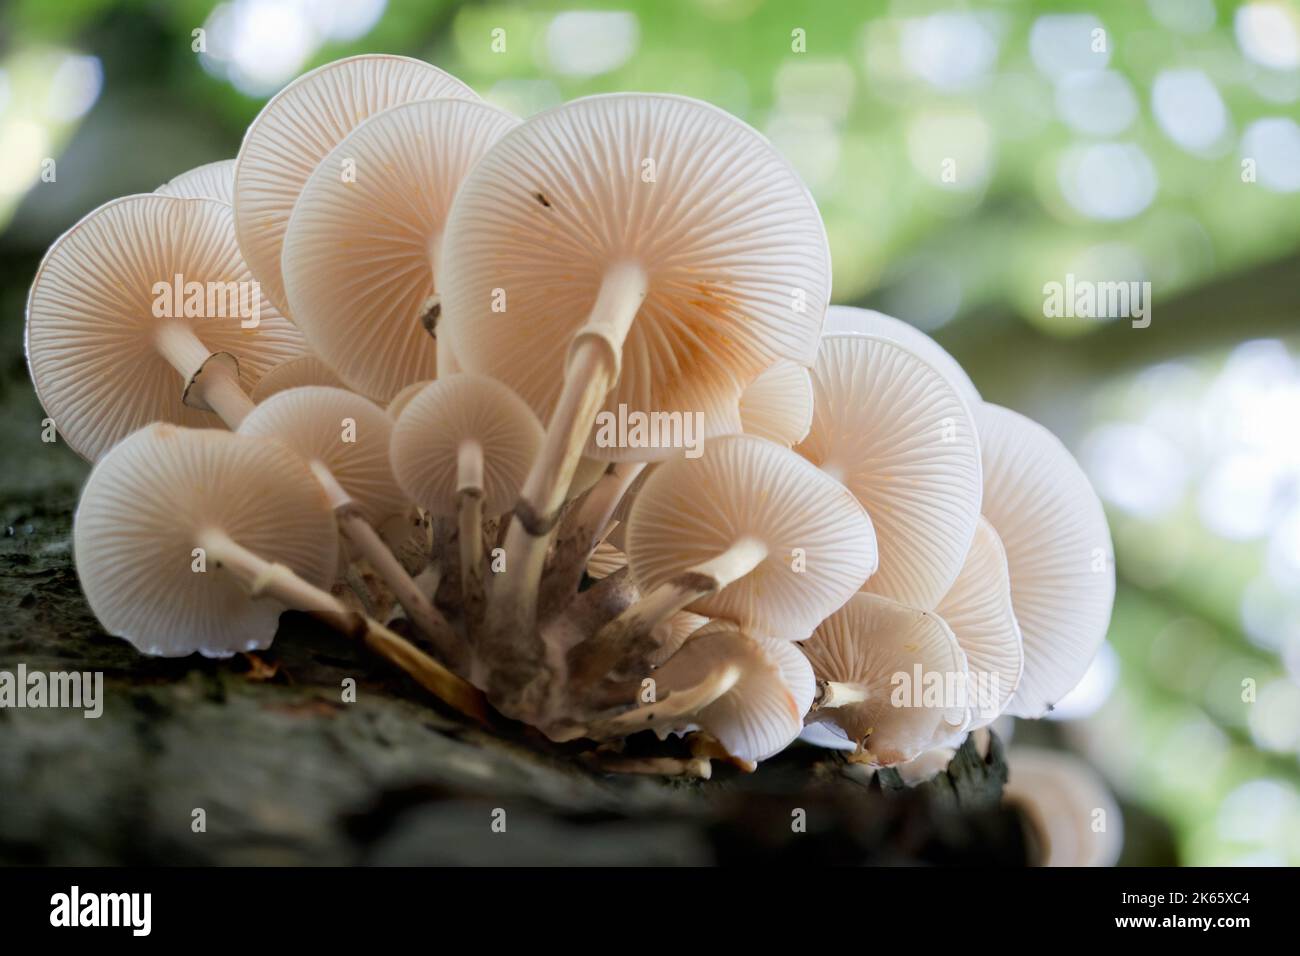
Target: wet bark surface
<point>285,771</point>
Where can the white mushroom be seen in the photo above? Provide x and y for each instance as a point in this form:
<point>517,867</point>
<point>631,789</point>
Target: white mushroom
<point>749,532</point>
<point>1058,550</point>
<point>891,428</point>
<point>748,694</point>
<point>210,181</point>
<point>299,126</point>
<point>461,448</point>
<point>135,317</point>
<point>892,678</point>
<point>361,254</point>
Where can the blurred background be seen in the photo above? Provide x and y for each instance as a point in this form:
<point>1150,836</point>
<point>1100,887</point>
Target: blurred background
<point>965,156</point>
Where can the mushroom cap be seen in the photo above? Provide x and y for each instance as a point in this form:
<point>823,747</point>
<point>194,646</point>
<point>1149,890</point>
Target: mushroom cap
<point>91,326</point>
<point>298,127</point>
<point>347,433</point>
<point>729,239</point>
<point>359,255</point>
<point>896,433</point>
<point>691,510</point>
<point>1058,549</point>
<point>299,371</point>
<point>1061,795</point>
<point>978,610</point>
<point>397,404</point>
<point>448,412</point>
<point>778,405</point>
<point>870,640</point>
<point>846,318</point>
<point>209,181</point>
<point>760,715</point>
<point>140,517</point>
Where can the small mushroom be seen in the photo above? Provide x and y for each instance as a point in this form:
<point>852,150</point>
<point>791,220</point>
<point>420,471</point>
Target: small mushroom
<point>1074,818</point>
<point>1058,551</point>
<point>884,671</point>
<point>844,318</point>
<point>299,126</point>
<point>749,532</point>
<point>637,250</point>
<point>778,405</point>
<point>748,694</point>
<point>361,255</point>
<point>344,438</point>
<point>295,373</point>
<point>892,429</point>
<point>462,447</point>
<point>197,539</point>
<point>111,343</point>
<point>210,181</point>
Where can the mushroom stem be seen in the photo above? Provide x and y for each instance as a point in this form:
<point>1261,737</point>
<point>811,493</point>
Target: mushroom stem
<point>836,694</point>
<point>630,636</point>
<point>359,532</point>
<point>582,531</point>
<point>591,371</point>
<point>211,378</point>
<point>263,577</point>
<point>469,501</point>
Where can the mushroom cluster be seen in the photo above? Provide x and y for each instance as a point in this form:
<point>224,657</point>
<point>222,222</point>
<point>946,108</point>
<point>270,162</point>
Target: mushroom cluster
<point>554,415</point>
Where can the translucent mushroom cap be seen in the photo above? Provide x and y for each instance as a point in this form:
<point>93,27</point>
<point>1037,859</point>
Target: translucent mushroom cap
<point>979,611</point>
<point>778,405</point>
<point>360,255</point>
<point>303,370</point>
<point>820,543</point>
<point>846,318</point>
<point>92,319</point>
<point>896,433</point>
<point>762,712</point>
<point>883,646</point>
<point>209,181</point>
<point>299,126</point>
<point>345,432</point>
<point>1058,549</point>
<point>450,412</point>
<point>731,244</point>
<point>141,515</point>
<point>1074,815</point>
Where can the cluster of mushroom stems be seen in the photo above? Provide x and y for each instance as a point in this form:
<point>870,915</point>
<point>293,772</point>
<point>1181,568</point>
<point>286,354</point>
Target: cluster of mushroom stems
<point>395,432</point>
